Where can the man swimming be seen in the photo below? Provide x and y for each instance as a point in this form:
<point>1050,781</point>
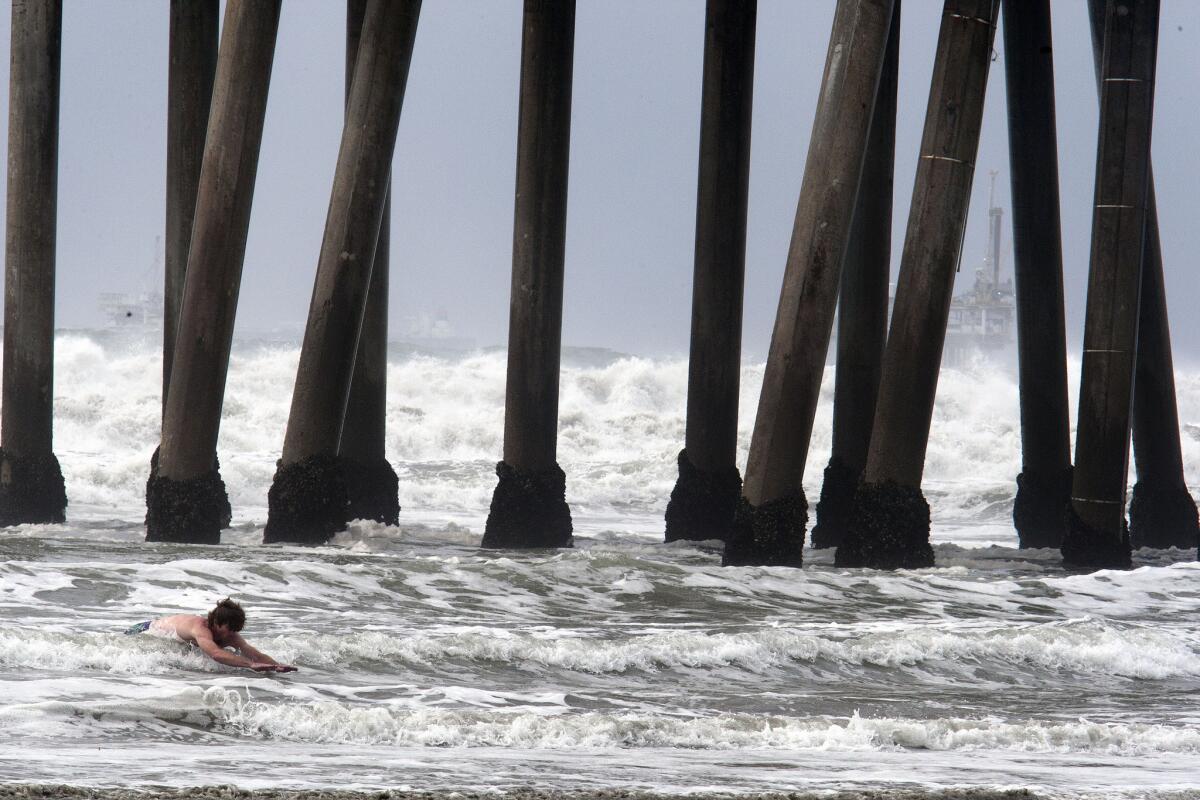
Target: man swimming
<point>221,629</point>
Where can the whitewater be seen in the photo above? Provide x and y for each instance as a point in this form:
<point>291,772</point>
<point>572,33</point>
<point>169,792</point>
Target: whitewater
<point>622,664</point>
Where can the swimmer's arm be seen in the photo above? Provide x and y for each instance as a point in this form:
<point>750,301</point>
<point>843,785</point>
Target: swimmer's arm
<point>241,644</point>
<point>223,656</point>
<point>257,655</point>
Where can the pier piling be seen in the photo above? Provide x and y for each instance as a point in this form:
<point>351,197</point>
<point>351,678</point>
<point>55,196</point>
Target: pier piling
<point>371,483</point>
<point>308,499</point>
<point>31,482</point>
<point>772,513</point>
<point>1044,484</point>
<point>862,310</point>
<point>890,523</point>
<point>1162,512</point>
<point>1097,536</point>
<point>529,507</point>
<point>185,496</point>
<point>193,65</point>
<point>706,494</point>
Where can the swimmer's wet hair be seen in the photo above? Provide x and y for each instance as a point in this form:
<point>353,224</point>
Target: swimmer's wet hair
<point>227,613</point>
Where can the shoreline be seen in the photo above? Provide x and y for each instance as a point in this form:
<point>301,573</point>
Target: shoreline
<point>225,792</point>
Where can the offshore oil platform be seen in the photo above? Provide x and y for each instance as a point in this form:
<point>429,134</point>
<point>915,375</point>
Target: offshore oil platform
<point>983,318</point>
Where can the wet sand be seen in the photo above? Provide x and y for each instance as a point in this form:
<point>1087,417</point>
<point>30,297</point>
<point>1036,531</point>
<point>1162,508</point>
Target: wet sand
<point>60,792</point>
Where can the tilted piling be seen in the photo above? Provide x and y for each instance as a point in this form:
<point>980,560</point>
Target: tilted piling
<point>193,65</point>
<point>185,496</point>
<point>371,483</point>
<point>308,498</point>
<point>31,482</point>
<point>862,310</point>
<point>529,507</point>
<point>705,496</point>
<point>770,522</point>
<point>890,525</point>
<point>1044,484</point>
<point>1097,536</point>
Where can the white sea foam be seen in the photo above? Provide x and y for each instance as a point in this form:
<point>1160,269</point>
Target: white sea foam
<point>1088,646</point>
<point>620,654</point>
<point>1085,647</point>
<point>379,724</point>
<point>620,427</point>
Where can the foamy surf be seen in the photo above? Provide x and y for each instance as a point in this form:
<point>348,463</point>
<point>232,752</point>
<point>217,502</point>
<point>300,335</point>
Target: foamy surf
<point>1083,647</point>
<point>548,724</point>
<point>336,723</point>
<point>621,664</point>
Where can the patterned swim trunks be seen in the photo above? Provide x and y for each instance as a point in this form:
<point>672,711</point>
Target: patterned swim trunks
<point>141,627</point>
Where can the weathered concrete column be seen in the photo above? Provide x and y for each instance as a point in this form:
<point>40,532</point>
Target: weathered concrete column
<point>862,310</point>
<point>185,496</point>
<point>769,527</point>
<point>308,499</point>
<point>371,483</point>
<point>1097,536</point>
<point>193,66</point>
<point>890,526</point>
<point>31,483</point>
<point>529,507</point>
<point>706,494</point>
<point>1162,512</point>
<point>1044,485</point>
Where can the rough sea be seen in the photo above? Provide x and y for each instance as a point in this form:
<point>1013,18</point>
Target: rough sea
<point>621,665</point>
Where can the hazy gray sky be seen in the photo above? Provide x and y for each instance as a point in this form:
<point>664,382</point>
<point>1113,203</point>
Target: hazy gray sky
<point>635,128</point>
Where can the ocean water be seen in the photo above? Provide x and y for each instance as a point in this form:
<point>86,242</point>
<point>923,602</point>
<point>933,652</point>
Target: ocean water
<point>621,664</point>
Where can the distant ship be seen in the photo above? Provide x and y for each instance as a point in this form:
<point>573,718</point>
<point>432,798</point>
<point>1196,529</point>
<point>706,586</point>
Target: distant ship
<point>430,334</point>
<point>132,311</point>
<point>133,319</point>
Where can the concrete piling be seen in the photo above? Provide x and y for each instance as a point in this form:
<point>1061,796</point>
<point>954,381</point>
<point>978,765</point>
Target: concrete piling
<point>890,523</point>
<point>1044,485</point>
<point>31,482</point>
<point>193,65</point>
<point>1162,512</point>
<point>706,494</point>
<point>308,499</point>
<point>1097,536</point>
<point>371,483</point>
<point>771,516</point>
<point>862,310</point>
<point>185,496</point>
<point>529,507</point>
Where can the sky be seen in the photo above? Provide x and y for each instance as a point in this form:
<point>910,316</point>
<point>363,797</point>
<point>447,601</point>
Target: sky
<point>634,144</point>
